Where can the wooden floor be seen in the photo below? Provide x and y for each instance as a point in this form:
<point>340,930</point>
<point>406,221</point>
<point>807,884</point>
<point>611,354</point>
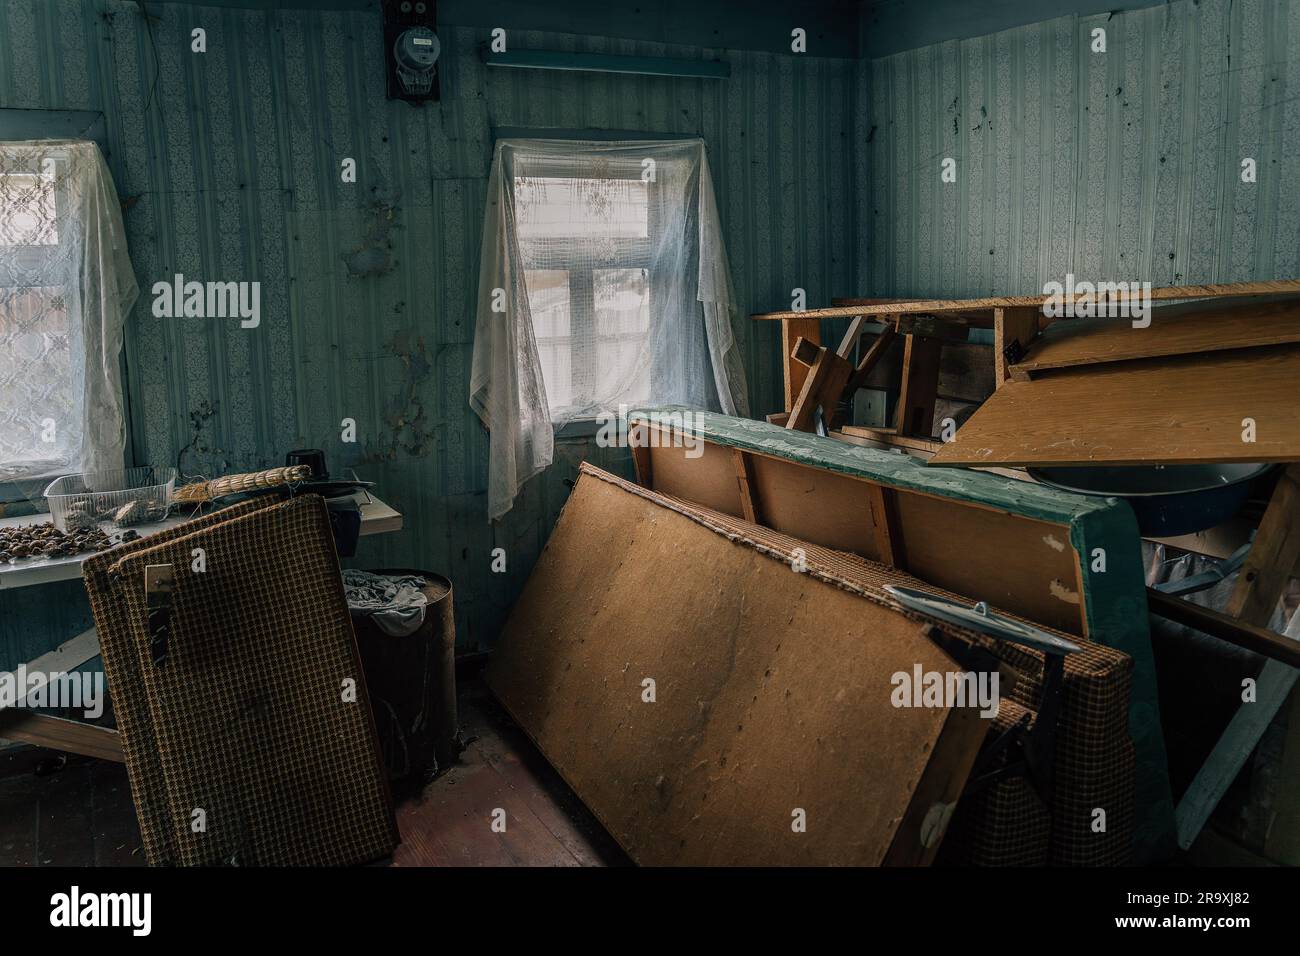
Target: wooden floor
<point>80,814</point>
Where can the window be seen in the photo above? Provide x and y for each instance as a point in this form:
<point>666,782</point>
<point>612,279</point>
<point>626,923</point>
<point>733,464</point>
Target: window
<point>603,284</point>
<point>39,430</point>
<point>587,249</point>
<point>65,283</point>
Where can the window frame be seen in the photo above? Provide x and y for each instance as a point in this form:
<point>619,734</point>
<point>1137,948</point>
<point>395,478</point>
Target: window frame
<point>17,125</point>
<point>587,426</point>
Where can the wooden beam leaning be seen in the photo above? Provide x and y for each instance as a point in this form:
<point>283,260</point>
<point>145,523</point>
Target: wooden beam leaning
<point>885,525</point>
<point>1260,585</point>
<point>1217,624</point>
<point>827,375</point>
<point>640,436</point>
<point>872,358</point>
<point>70,736</point>
<point>745,479</point>
<point>1264,576</point>
<point>920,386</point>
<point>794,374</point>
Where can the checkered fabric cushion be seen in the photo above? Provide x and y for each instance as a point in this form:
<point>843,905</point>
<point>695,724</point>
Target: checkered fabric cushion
<point>122,670</point>
<point>1004,824</point>
<point>248,714</point>
<point>1095,764</point>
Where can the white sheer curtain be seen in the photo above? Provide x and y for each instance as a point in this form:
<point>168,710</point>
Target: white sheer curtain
<point>603,282</point>
<point>66,284</point>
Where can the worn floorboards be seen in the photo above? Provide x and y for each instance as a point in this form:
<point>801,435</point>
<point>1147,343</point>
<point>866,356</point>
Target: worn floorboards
<point>81,813</point>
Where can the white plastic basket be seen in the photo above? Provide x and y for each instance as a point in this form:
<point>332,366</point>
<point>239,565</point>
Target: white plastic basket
<point>118,498</point>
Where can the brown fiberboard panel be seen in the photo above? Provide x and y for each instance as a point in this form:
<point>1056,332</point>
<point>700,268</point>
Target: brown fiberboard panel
<point>819,506</point>
<point>772,694</point>
<point>1184,329</point>
<point>1181,410</point>
<point>707,470</point>
<point>1021,564</point>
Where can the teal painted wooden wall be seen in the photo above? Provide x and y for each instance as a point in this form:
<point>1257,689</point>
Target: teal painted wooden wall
<point>1122,165</point>
<point>229,162</point>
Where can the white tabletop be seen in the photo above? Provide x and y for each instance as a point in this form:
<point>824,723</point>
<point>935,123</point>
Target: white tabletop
<point>376,518</point>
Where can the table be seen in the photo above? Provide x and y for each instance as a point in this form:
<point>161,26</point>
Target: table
<point>18,723</point>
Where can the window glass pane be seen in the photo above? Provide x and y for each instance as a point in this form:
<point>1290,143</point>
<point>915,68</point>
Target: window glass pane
<point>27,213</point>
<point>552,208</point>
<point>622,305</point>
<point>548,300</point>
<point>38,394</point>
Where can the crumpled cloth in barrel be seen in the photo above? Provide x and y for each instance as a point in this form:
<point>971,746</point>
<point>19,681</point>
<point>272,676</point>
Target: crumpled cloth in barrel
<point>396,603</point>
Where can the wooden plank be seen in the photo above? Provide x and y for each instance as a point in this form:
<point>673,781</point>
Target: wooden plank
<point>805,352</point>
<point>851,336</point>
<point>720,765</point>
<point>778,418</point>
<point>1164,294</point>
<point>1260,584</point>
<point>56,733</point>
<point>745,481</point>
<point>1180,410</point>
<point>1235,746</point>
<point>641,455</point>
<point>1012,329</point>
<point>1190,328</point>
<point>920,387</point>
<point>889,436</point>
<point>1264,575</point>
<point>793,329</point>
<point>871,359</point>
<point>930,326</point>
<point>822,388</point>
<point>1217,624</point>
<point>884,522</point>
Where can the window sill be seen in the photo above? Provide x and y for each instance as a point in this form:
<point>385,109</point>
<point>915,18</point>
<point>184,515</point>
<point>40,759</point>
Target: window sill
<point>578,428</point>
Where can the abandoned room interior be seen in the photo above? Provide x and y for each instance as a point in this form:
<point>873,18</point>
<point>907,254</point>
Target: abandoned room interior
<point>593,434</point>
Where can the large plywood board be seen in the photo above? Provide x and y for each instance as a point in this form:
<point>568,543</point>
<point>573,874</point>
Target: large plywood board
<point>771,695</point>
<point>951,308</point>
<point>1179,410</point>
<point>1212,325</point>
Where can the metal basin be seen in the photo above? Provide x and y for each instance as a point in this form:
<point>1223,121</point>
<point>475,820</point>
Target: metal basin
<point>1168,500</point>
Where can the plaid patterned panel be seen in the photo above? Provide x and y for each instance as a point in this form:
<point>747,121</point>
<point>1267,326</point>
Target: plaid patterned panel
<point>122,670</point>
<point>1004,824</point>
<point>248,710</point>
<point>1095,763</point>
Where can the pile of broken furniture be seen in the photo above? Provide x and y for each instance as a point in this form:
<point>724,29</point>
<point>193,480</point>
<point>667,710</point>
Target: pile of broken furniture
<point>712,707</point>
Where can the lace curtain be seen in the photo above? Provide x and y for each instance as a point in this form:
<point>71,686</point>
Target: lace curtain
<point>603,283</point>
<point>66,284</point>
